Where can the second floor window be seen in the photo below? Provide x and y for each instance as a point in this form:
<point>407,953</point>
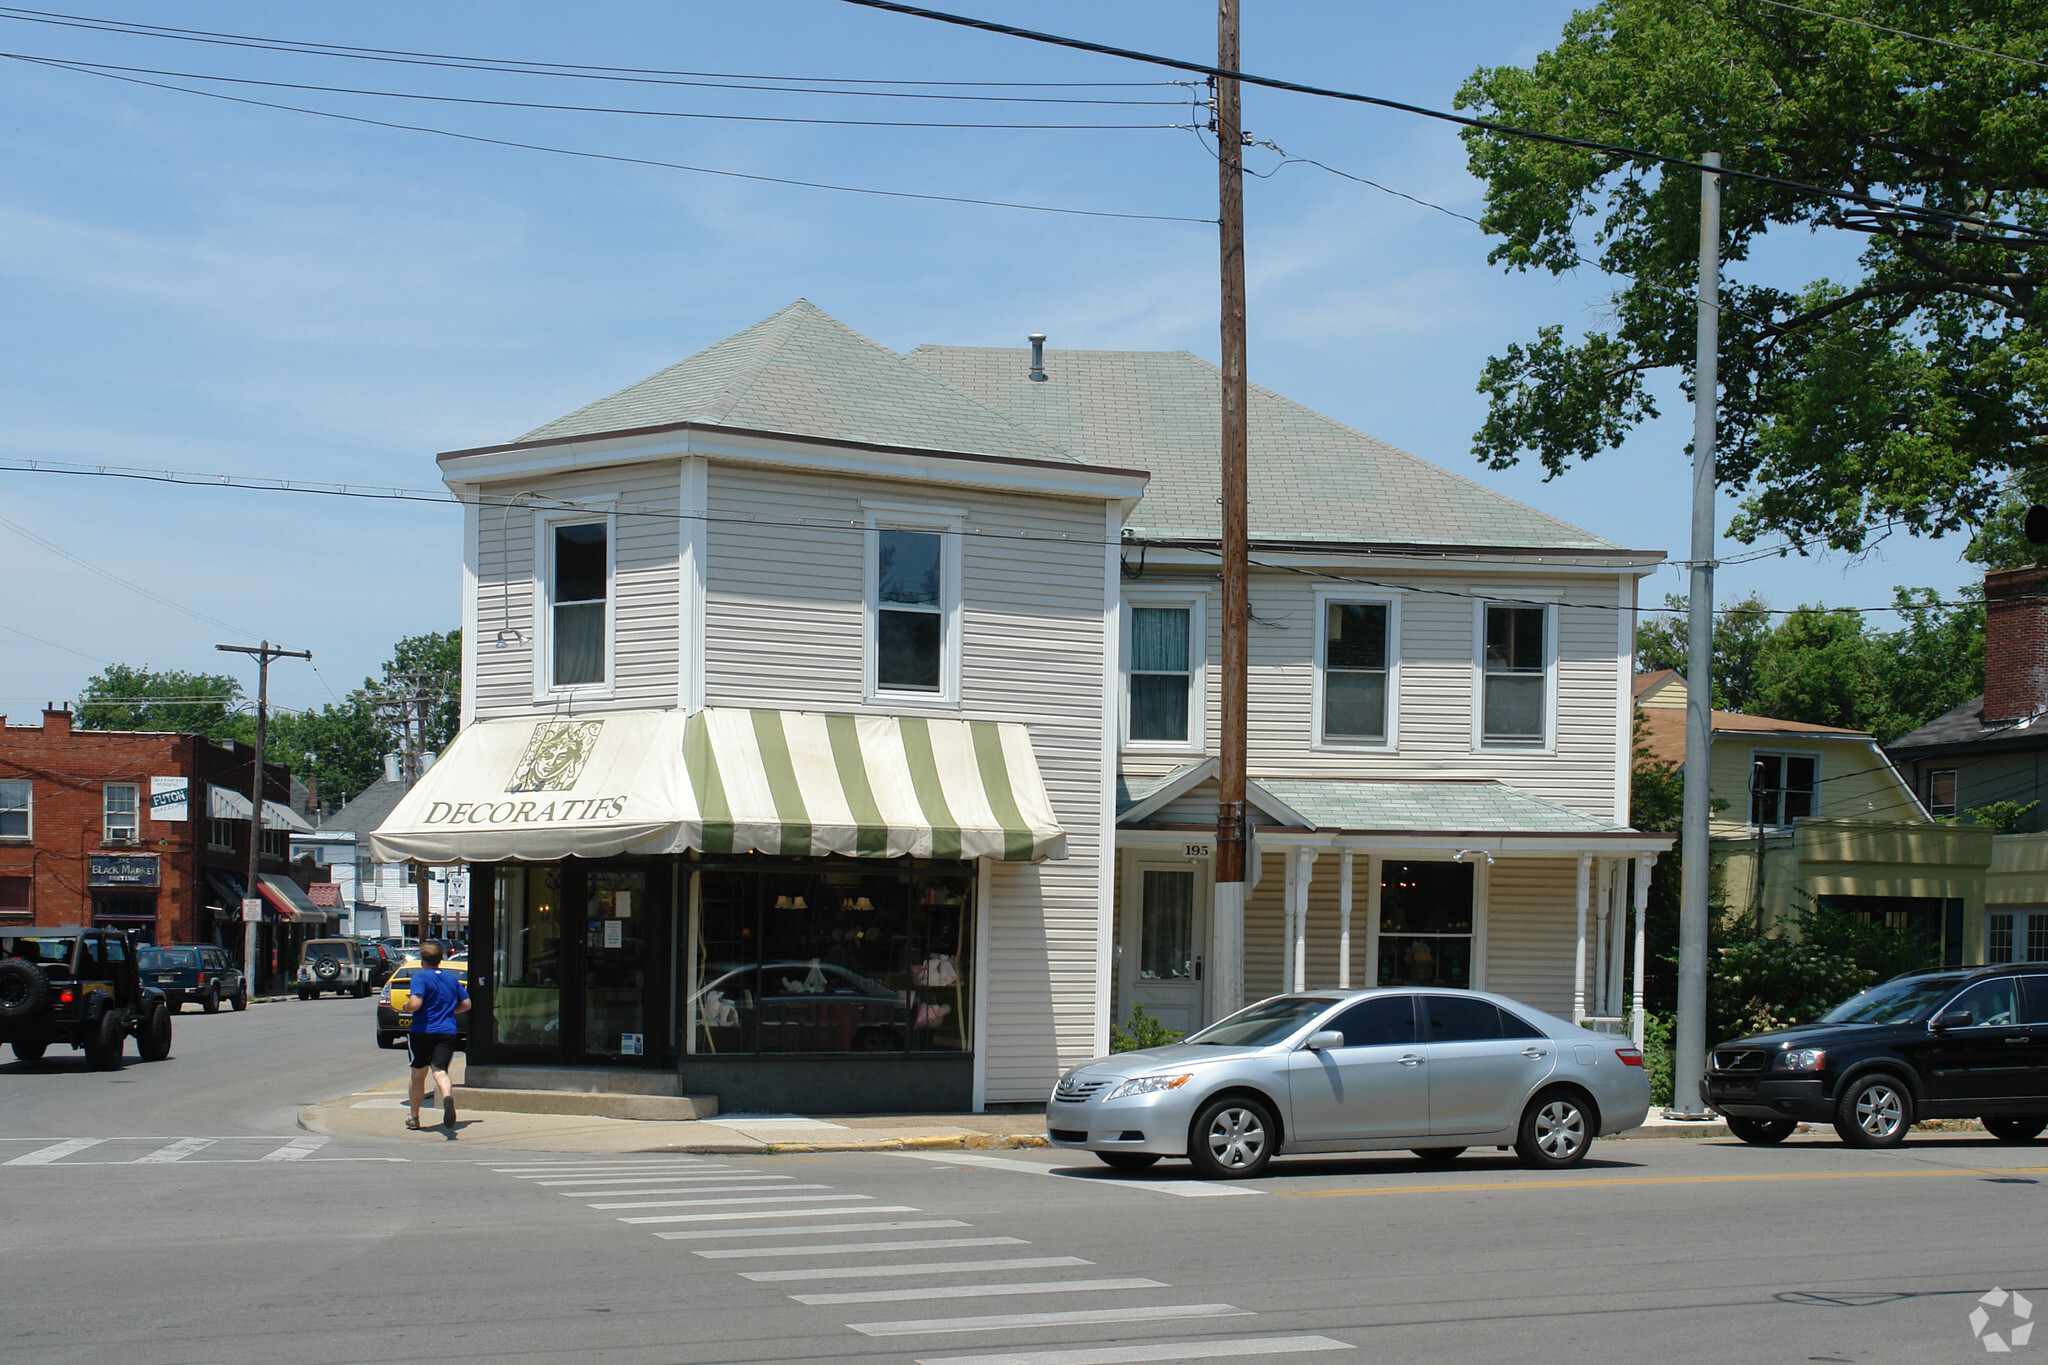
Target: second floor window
<point>1941,792</point>
<point>1515,676</point>
<point>579,584</point>
<point>1782,788</point>
<point>121,822</point>
<point>274,843</point>
<point>1356,672</point>
<point>1162,674</point>
<point>221,833</point>
<point>910,611</point>
<point>15,801</point>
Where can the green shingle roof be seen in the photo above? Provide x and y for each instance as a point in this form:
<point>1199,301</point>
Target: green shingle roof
<point>1439,806</point>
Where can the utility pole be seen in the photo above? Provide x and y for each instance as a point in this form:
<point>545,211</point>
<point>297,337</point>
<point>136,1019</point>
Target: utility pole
<point>263,653</point>
<point>1227,971</point>
<point>1690,1044</point>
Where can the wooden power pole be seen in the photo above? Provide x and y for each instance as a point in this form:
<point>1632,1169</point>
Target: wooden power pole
<point>264,653</point>
<point>1227,970</point>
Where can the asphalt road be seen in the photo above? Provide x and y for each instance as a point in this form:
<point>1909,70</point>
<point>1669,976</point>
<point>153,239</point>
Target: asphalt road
<point>136,1232</point>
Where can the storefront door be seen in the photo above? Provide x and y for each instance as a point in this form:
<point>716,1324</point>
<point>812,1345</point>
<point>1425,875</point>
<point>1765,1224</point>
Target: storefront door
<point>1166,927</point>
<point>623,921</point>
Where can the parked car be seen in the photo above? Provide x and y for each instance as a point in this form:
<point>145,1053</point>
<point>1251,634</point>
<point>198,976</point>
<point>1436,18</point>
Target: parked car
<point>1952,1044</point>
<point>193,974</point>
<point>333,964</point>
<point>1435,1071</point>
<point>72,984</point>
<point>805,1006</point>
<point>394,1020</point>
<point>382,960</point>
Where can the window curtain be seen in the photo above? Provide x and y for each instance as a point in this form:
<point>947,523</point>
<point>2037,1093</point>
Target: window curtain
<point>579,644</point>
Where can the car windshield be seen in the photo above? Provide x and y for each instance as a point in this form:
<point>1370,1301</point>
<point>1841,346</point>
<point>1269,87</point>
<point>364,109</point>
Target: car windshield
<point>1266,1022</point>
<point>327,950</point>
<point>1895,1002</point>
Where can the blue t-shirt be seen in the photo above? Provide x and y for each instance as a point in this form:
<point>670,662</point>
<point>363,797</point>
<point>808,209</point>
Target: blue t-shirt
<point>442,993</point>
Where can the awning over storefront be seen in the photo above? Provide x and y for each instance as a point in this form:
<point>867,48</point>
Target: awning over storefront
<point>224,803</point>
<point>289,901</point>
<point>728,781</point>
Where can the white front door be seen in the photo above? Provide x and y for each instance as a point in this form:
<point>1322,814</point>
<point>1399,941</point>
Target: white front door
<point>1165,934</point>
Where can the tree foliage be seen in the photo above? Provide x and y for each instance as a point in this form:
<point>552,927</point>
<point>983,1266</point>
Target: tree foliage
<point>138,697</point>
<point>1914,394</point>
<point>1804,966</point>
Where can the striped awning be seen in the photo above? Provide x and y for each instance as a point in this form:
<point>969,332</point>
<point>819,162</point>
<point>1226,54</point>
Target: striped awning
<point>724,781</point>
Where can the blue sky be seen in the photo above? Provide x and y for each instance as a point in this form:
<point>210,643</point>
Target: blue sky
<point>191,284</point>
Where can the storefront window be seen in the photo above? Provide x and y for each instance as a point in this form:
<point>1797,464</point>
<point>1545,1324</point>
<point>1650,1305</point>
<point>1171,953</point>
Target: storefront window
<point>1425,924</point>
<point>614,966</point>
<point>830,960</point>
<point>526,1005</point>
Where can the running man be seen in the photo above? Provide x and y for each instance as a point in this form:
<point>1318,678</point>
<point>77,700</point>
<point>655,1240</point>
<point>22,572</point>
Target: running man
<point>437,1000</point>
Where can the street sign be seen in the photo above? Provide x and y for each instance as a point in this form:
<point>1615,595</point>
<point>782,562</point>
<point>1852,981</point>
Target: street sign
<point>252,909</point>
<point>121,869</point>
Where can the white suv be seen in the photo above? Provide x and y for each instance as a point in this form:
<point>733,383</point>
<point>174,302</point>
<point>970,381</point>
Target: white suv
<point>333,964</point>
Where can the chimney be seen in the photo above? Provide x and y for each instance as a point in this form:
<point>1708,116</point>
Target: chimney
<point>2015,644</point>
<point>393,772</point>
<point>1037,357</point>
<point>56,723</point>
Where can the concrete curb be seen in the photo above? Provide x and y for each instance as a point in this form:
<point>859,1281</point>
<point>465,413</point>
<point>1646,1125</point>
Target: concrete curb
<point>943,1142</point>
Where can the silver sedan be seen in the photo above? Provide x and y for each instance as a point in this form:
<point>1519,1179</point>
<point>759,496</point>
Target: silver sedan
<point>1435,1071</point>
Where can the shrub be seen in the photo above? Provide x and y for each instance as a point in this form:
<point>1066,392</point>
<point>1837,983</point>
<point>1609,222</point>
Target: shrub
<point>1144,1031</point>
<point>1803,967</point>
<point>1657,1031</point>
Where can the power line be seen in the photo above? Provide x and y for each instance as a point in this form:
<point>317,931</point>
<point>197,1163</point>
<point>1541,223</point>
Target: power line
<point>77,64</point>
<point>113,577</point>
<point>1904,210</point>
<point>1908,33</point>
<point>91,658</point>
<point>609,156</point>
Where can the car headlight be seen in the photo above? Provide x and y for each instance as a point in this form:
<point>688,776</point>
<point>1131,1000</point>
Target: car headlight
<point>1801,1059</point>
<point>1146,1085</point>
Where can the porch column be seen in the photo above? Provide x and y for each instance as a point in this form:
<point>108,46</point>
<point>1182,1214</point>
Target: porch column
<point>1644,863</point>
<point>1305,859</point>
<point>1602,904</point>
<point>1287,930</point>
<point>1344,922</point>
<point>1617,978</point>
<point>1579,946</point>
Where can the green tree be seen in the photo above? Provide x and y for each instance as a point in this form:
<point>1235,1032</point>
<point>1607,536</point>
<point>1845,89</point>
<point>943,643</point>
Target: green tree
<point>1817,667</point>
<point>1933,662</point>
<point>125,697</point>
<point>439,654</point>
<point>1740,629</point>
<point>346,743</point>
<point>1909,394</point>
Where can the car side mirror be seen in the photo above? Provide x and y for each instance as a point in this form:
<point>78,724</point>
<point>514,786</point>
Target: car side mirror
<point>1325,1040</point>
<point>1954,1019</point>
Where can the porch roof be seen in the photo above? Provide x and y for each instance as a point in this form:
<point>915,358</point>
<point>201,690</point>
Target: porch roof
<point>1435,806</point>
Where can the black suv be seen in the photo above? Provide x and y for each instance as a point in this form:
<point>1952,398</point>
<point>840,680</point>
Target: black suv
<point>1955,1044</point>
<point>70,984</point>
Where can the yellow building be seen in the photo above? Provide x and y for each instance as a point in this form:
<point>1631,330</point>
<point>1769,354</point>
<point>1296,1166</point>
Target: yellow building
<point>1814,815</point>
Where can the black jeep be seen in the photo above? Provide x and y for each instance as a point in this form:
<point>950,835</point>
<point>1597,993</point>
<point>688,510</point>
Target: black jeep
<point>70,984</point>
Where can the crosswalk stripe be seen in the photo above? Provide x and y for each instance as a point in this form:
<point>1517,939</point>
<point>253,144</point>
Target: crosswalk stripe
<point>1000,1322</point>
<point>978,1291</point>
<point>1214,1348</point>
<point>177,1151</point>
<point>851,1248</point>
<point>740,1216</point>
<point>875,1272</point>
<point>56,1151</point>
<point>815,1229</point>
<point>627,1178</point>
<point>750,1199</point>
<point>691,1186</point>
<point>298,1149</point>
<point>1190,1189</point>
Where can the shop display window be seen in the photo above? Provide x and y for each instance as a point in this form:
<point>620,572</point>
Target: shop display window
<point>526,1006</point>
<point>1425,930</point>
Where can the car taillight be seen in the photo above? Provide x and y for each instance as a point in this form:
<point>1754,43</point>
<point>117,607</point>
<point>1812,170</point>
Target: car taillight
<point>1629,1056</point>
<point>202,978</point>
<point>64,997</point>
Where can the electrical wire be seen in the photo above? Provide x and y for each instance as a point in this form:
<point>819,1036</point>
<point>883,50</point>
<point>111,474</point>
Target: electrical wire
<point>113,577</point>
<point>91,658</point>
<point>614,157</point>
<point>1918,213</point>
<point>1908,33</point>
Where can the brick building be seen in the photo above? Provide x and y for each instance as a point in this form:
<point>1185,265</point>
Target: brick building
<point>146,831</point>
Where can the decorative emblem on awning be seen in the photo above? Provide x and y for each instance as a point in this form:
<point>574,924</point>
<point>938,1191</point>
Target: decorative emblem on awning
<point>555,755</point>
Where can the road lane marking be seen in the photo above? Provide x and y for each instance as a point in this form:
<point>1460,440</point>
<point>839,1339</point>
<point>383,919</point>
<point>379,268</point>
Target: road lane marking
<point>1196,1189</point>
<point>875,1272</point>
<point>1211,1349</point>
<point>698,1187</point>
<point>177,1151</point>
<point>54,1152</point>
<point>750,1199</point>
<point>857,1248</point>
<point>979,1291</point>
<point>298,1149</point>
<point>769,1213</point>
<point>627,1178</point>
<point>1598,1181</point>
<point>1002,1322</point>
<point>815,1229</point>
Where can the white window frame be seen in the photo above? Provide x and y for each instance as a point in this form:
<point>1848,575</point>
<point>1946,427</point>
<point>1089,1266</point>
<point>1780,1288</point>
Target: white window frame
<point>1748,790</point>
<point>1195,601</point>
<point>2023,919</point>
<point>1480,743</point>
<point>28,804</point>
<point>589,512</point>
<point>1326,597</point>
<point>950,525</point>
<point>1955,806</point>
<point>217,826</point>
<point>131,829</point>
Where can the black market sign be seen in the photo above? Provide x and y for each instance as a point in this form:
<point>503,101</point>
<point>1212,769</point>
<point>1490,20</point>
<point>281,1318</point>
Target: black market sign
<point>122,869</point>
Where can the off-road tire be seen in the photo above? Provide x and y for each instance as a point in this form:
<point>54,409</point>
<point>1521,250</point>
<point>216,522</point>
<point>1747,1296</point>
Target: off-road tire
<point>241,1000</point>
<point>1875,1110</point>
<point>109,1039</point>
<point>362,990</point>
<point>1128,1161</point>
<point>1438,1156</point>
<point>153,1040</point>
<point>212,1003</point>
<point>306,993</point>
<point>1557,1131</point>
<point>29,1052</point>
<point>1761,1132</point>
<point>24,989</point>
<point>2015,1128</point>
<point>1232,1138</point>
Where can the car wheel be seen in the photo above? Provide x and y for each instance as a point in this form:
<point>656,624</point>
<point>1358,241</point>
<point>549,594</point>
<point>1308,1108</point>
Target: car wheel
<point>212,1004</point>
<point>1557,1130</point>
<point>1874,1111</point>
<point>2014,1127</point>
<point>1128,1161</point>
<point>1231,1138</point>
<point>362,990</point>
<point>154,1042</point>
<point>29,1052</point>
<point>241,1000</point>
<point>1438,1156</point>
<point>1761,1132</point>
<point>109,1038</point>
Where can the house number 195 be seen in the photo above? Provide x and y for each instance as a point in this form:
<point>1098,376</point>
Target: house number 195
<point>1195,851</point>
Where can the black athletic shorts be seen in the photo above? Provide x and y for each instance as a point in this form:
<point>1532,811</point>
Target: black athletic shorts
<point>432,1049</point>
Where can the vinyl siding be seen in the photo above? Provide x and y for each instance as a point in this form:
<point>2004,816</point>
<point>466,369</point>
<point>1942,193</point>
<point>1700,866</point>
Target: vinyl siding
<point>1856,781</point>
<point>1532,929</point>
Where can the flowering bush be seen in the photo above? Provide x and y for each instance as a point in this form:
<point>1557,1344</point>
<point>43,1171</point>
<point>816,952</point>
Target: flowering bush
<point>1801,968</point>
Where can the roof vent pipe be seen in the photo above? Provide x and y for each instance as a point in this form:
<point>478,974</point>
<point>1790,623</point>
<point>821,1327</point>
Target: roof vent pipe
<point>1037,357</point>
